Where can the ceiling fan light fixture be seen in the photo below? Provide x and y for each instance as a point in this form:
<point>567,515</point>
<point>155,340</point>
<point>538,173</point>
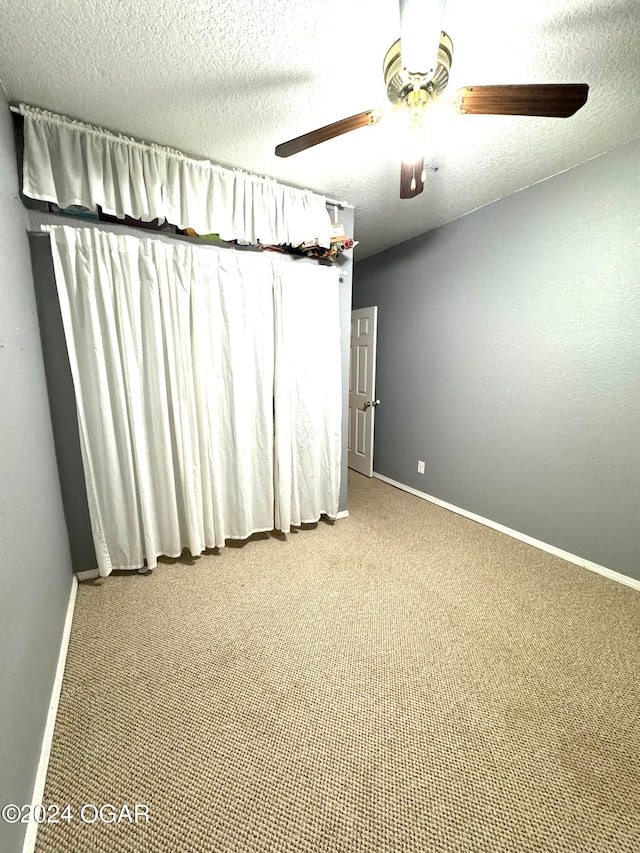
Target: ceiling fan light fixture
<point>400,82</point>
<point>411,138</point>
<point>421,23</point>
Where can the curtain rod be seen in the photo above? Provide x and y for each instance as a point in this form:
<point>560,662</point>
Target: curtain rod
<point>331,201</point>
<point>340,204</point>
<point>47,234</point>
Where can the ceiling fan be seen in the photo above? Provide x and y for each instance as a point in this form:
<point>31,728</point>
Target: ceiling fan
<point>416,72</point>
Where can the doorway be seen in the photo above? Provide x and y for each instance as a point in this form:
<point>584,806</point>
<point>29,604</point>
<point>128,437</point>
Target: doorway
<point>362,389</point>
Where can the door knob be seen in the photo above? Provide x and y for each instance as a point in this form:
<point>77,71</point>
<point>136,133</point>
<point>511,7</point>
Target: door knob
<point>371,404</point>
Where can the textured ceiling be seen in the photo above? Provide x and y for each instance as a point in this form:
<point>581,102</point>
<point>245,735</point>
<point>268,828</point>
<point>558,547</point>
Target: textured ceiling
<point>229,80</point>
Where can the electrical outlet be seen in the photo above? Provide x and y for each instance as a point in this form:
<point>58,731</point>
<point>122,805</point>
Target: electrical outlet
<point>420,466</point>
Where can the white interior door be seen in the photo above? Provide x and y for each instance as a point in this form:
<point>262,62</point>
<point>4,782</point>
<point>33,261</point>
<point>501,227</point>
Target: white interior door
<point>362,389</point>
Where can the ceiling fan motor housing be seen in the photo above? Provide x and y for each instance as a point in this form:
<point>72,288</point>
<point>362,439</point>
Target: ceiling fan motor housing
<point>400,83</point>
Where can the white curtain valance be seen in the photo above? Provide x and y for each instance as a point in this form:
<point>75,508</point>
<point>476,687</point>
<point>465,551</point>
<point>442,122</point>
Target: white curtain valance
<point>70,163</point>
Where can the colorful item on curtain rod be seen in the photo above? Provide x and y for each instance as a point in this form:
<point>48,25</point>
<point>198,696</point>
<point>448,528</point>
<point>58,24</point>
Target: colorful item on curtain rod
<point>70,163</point>
<point>181,358</point>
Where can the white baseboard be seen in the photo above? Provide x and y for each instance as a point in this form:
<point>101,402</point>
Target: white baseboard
<point>47,739</point>
<point>523,537</point>
<point>88,575</point>
<point>343,514</point>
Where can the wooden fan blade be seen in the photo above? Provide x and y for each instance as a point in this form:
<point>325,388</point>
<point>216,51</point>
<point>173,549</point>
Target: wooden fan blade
<point>329,131</point>
<point>559,100</point>
<point>409,172</point>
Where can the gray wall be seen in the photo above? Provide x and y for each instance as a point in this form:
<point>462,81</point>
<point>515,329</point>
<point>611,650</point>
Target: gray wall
<point>35,566</point>
<point>62,403</point>
<point>509,360</point>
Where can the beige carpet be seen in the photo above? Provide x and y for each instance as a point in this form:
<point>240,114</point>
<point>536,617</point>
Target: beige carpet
<point>404,680</point>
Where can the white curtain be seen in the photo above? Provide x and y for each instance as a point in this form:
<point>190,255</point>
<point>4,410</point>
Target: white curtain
<point>71,163</point>
<point>174,350</point>
<point>307,396</point>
